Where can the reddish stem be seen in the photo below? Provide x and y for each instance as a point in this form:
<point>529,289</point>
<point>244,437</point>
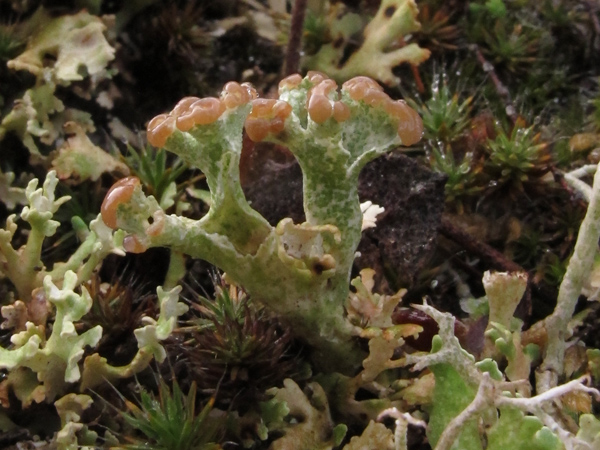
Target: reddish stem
<point>292,58</point>
<point>502,90</point>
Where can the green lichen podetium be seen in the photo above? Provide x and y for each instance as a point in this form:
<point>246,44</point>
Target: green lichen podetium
<point>301,271</point>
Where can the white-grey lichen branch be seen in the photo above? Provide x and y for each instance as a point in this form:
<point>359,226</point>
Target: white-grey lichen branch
<point>578,271</point>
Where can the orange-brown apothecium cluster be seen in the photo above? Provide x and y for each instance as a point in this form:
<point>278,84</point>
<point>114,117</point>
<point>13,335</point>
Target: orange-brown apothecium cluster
<point>268,115</point>
<point>120,192</point>
<point>320,107</point>
<point>192,111</point>
<point>410,125</point>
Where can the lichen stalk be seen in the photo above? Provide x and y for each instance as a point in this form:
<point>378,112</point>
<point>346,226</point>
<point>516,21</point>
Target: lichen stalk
<point>301,271</point>
<point>578,271</point>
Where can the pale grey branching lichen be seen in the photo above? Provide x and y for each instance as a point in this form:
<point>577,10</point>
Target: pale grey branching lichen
<point>449,349</point>
<point>403,420</point>
<point>24,266</point>
<point>578,272</point>
<point>470,397</point>
<point>97,370</point>
<point>53,360</point>
<point>41,368</point>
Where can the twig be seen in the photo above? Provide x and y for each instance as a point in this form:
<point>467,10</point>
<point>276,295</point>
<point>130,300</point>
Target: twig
<point>292,57</point>
<point>418,80</point>
<point>415,71</point>
<point>490,255</point>
<point>502,90</point>
<point>591,7</point>
<point>495,259</point>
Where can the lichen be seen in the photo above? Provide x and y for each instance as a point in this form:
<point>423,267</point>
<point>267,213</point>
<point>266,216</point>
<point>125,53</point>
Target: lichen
<point>301,271</point>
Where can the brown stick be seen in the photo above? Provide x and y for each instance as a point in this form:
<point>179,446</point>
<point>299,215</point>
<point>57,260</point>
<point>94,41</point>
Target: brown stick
<point>488,254</point>
<point>591,7</point>
<point>292,57</point>
<point>418,79</point>
<point>502,90</point>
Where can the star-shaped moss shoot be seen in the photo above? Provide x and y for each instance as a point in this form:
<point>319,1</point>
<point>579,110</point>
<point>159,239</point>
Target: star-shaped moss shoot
<point>301,271</point>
